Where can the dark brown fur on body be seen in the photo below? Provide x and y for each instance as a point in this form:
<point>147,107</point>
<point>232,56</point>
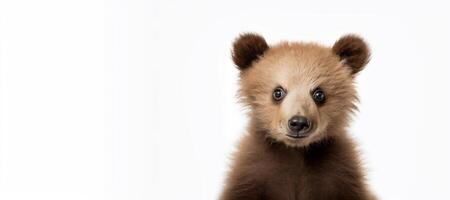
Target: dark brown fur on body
<point>325,164</point>
<point>267,170</point>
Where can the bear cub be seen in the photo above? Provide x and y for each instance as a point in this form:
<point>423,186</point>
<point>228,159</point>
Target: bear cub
<point>300,98</point>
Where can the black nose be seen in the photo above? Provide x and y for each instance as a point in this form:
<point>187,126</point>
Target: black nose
<point>299,124</point>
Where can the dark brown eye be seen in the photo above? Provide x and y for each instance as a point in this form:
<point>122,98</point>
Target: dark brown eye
<point>278,94</point>
<point>319,96</point>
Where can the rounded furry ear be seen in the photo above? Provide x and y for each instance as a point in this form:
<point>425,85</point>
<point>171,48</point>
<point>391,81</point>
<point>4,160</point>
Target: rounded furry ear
<point>353,51</point>
<point>247,48</point>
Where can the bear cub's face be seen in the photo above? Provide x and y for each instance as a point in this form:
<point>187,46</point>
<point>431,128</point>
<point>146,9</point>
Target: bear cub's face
<point>299,93</point>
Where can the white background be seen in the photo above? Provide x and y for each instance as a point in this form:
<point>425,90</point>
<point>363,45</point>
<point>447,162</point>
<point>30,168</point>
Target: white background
<point>136,99</point>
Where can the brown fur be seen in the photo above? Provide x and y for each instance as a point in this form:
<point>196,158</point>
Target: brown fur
<point>247,48</point>
<point>324,165</point>
<point>354,50</point>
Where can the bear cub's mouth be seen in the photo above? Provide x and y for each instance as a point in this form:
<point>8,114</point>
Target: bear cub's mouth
<point>296,136</point>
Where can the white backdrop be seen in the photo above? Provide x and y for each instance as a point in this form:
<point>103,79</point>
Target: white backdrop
<point>136,99</point>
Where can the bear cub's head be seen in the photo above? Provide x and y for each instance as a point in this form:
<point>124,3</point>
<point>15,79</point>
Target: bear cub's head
<point>299,93</point>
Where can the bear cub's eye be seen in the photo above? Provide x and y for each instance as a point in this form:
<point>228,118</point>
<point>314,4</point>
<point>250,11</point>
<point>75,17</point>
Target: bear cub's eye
<point>319,96</point>
<point>278,94</point>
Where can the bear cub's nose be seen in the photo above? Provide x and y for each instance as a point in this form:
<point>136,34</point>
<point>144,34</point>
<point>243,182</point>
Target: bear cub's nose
<point>299,124</point>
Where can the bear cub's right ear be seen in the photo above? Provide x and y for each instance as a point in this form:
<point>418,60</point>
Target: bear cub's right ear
<point>247,48</point>
<point>353,50</point>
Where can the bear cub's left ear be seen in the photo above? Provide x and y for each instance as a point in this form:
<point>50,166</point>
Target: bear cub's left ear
<point>247,48</point>
<point>353,51</point>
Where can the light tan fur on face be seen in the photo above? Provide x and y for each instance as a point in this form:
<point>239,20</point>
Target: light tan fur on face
<point>299,68</point>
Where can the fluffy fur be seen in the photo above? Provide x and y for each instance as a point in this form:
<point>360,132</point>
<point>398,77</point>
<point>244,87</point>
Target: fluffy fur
<point>354,51</point>
<point>247,48</point>
<point>323,165</point>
